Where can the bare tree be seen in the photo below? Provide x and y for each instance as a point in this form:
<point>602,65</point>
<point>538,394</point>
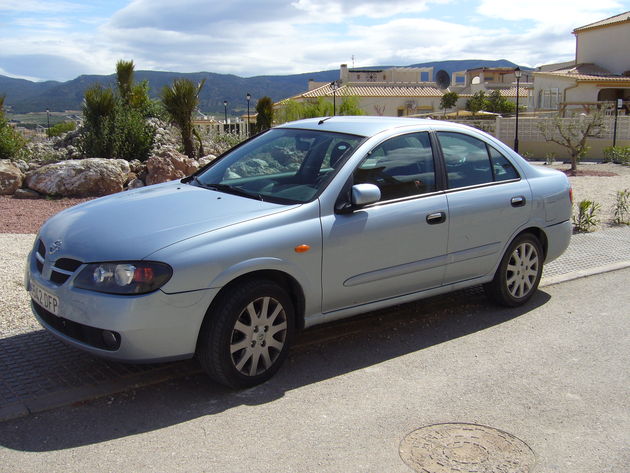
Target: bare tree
<point>572,133</point>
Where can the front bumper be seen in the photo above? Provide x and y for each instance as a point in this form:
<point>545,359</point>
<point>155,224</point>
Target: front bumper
<point>150,328</point>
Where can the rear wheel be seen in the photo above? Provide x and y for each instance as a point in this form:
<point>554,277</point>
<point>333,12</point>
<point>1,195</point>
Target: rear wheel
<point>246,336</point>
<point>519,273</point>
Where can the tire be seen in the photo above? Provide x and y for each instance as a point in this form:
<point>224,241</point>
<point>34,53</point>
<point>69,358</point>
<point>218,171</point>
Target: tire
<point>246,335</point>
<point>519,273</point>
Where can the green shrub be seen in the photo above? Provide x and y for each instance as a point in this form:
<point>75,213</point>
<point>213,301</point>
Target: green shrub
<point>617,154</point>
<point>585,220</point>
<point>12,143</point>
<point>132,137</point>
<point>621,209</point>
<point>61,128</point>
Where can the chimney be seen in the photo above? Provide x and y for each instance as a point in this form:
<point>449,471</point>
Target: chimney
<point>343,73</point>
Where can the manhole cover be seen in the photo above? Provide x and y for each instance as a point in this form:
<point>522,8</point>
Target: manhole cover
<point>465,448</point>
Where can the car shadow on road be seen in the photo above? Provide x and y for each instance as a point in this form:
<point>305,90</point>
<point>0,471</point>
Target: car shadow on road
<point>319,354</point>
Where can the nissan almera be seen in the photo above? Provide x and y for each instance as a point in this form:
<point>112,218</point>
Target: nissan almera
<point>309,222</point>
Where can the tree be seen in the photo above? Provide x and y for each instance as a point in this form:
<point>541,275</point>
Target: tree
<point>124,79</point>
<point>448,100</point>
<point>291,110</point>
<point>572,133</point>
<point>180,101</point>
<point>98,110</point>
<point>350,106</point>
<point>264,108</point>
<point>497,103</point>
<point>115,120</point>
<point>477,102</point>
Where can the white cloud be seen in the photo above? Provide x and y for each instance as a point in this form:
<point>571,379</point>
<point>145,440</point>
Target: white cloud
<point>252,37</point>
<point>567,14</point>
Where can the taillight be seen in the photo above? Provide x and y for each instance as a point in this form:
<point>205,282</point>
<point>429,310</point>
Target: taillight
<point>571,194</point>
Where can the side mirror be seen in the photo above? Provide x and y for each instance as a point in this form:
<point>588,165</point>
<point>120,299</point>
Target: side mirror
<point>364,194</point>
<point>357,197</point>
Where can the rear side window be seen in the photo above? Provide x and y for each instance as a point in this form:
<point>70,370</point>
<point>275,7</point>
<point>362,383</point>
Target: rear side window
<point>470,162</point>
<point>503,169</point>
<point>401,167</point>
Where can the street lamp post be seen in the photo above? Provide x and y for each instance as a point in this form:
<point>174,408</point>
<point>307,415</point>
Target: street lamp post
<point>225,102</point>
<point>517,73</point>
<point>333,84</point>
<point>249,97</point>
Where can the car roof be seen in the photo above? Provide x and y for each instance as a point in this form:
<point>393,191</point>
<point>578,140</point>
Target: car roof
<point>355,125</point>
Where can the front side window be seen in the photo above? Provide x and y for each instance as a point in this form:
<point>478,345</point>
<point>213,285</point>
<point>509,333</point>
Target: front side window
<point>282,165</point>
<point>470,162</point>
<point>401,167</point>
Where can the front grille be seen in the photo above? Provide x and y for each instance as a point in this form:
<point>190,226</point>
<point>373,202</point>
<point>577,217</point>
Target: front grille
<point>61,269</point>
<point>83,333</point>
<point>40,255</point>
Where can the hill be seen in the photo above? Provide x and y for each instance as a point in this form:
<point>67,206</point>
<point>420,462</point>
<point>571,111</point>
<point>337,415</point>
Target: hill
<point>25,96</point>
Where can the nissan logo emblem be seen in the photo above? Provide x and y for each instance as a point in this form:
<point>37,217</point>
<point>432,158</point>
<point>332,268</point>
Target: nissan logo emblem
<point>55,247</point>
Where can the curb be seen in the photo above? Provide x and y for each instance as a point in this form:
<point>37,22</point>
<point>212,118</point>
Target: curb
<point>90,392</point>
<point>551,280</point>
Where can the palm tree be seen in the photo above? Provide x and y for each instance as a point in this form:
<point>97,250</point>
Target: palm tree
<point>124,79</point>
<point>180,101</point>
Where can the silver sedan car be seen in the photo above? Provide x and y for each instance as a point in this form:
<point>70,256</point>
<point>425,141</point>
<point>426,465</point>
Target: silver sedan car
<point>309,222</point>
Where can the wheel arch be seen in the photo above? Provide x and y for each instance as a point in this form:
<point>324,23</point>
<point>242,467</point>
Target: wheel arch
<point>540,236</point>
<point>285,280</point>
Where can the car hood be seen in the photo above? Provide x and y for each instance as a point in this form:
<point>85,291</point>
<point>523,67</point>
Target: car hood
<point>134,224</point>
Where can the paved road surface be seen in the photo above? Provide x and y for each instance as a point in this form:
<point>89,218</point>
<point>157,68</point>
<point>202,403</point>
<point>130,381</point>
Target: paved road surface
<point>554,374</point>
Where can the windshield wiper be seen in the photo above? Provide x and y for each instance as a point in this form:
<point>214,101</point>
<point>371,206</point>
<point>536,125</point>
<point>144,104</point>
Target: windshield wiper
<point>230,190</point>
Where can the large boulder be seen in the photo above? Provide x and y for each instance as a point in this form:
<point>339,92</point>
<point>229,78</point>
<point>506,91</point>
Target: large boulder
<point>169,165</point>
<point>80,178</point>
<point>11,177</point>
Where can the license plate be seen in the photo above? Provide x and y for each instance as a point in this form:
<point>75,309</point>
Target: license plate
<point>44,298</point>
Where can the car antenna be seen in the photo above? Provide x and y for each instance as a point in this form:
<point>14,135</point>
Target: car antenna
<point>321,122</point>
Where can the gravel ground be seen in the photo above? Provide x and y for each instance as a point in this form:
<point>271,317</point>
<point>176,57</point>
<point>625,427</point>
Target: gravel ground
<point>20,220</point>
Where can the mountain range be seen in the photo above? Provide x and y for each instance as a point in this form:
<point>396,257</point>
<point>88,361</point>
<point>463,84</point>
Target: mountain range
<point>23,96</point>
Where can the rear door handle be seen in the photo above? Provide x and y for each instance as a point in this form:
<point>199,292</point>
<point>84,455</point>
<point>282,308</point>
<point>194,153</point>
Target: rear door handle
<point>436,217</point>
<point>518,201</point>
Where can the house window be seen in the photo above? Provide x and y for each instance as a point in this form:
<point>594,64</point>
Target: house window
<point>424,76</point>
<point>549,99</point>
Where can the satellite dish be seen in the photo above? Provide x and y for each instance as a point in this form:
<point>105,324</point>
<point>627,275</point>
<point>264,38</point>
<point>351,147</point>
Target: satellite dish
<point>442,79</point>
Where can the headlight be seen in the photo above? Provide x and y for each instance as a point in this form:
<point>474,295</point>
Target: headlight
<point>135,277</point>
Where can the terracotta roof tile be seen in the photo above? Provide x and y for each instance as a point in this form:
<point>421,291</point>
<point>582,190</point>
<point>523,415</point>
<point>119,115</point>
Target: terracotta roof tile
<point>621,18</point>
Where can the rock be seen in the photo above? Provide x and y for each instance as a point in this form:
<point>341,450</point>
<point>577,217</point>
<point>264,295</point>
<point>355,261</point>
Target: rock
<point>26,194</point>
<point>206,159</point>
<point>11,177</point>
<point>23,165</point>
<point>80,178</point>
<point>169,165</point>
<point>135,184</point>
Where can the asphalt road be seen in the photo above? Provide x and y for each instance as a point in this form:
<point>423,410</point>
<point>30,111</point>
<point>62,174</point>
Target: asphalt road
<point>554,374</point>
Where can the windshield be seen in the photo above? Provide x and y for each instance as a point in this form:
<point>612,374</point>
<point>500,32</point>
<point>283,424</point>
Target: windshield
<point>281,165</point>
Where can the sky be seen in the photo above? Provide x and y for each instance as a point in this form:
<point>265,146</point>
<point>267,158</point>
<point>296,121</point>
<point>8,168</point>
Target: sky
<point>62,39</point>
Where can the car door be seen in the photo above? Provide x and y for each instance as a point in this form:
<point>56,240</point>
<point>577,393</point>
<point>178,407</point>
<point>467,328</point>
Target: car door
<point>487,203</point>
<point>396,246</point>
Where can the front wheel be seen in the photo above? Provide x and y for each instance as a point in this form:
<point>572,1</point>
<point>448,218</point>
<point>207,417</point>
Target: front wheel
<point>246,336</point>
<point>519,273</point>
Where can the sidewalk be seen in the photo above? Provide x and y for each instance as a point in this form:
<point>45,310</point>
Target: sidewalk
<point>38,373</point>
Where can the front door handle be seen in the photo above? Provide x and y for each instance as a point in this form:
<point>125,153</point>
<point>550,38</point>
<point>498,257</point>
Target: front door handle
<point>436,217</point>
<point>518,201</point>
